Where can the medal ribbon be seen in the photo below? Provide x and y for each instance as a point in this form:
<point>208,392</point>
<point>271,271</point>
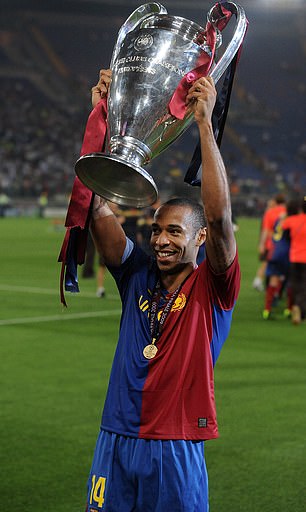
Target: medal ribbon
<point>155,326</point>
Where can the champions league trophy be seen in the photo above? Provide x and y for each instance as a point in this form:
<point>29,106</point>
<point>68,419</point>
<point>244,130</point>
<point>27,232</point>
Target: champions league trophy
<point>153,55</point>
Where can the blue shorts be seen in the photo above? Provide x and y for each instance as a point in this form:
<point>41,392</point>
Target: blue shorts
<point>277,268</point>
<point>137,475</point>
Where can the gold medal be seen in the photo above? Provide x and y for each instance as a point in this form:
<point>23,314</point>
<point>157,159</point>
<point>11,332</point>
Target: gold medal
<point>150,351</point>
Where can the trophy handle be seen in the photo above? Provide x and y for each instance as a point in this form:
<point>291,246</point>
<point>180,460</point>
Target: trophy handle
<point>213,17</point>
<point>137,16</point>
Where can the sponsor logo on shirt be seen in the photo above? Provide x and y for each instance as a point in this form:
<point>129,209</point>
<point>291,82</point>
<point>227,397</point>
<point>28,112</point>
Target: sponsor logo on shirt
<point>202,422</point>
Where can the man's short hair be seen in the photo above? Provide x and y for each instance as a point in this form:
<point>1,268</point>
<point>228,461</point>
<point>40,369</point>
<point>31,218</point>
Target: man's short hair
<point>198,216</point>
<point>280,198</point>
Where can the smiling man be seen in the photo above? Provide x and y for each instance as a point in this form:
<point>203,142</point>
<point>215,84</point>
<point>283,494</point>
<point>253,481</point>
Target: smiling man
<point>160,405</point>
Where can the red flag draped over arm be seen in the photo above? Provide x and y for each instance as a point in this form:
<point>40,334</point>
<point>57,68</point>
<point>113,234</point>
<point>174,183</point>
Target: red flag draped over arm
<point>79,210</point>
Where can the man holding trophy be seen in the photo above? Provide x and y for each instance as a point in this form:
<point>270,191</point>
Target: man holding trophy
<point>160,406</point>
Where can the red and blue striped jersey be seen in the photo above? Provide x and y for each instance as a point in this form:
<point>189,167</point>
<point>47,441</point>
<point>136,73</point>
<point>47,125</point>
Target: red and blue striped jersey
<point>172,395</point>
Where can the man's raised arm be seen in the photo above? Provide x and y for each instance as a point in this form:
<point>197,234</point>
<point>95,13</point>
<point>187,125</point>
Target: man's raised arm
<point>220,243</point>
<point>109,237</point>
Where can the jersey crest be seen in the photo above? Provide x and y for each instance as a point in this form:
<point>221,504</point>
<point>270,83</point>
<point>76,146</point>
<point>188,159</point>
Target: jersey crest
<point>179,303</point>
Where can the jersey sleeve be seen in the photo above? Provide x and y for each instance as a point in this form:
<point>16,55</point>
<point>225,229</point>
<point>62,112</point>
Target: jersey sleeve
<point>132,263</point>
<point>225,287</point>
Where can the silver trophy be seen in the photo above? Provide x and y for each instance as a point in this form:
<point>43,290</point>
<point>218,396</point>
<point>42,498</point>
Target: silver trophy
<point>153,52</point>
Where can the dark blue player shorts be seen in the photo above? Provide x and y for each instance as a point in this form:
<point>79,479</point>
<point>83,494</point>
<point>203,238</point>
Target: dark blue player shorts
<point>140,475</point>
<point>275,268</point>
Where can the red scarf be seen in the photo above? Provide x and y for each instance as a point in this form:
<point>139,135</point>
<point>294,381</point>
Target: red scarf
<point>79,210</point>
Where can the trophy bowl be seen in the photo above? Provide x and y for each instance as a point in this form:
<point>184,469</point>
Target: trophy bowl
<point>123,182</point>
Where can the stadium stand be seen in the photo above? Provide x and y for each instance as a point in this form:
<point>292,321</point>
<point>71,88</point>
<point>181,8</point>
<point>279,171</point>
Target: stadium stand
<point>49,61</point>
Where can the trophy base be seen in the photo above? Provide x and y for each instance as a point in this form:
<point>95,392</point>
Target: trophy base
<point>116,180</point>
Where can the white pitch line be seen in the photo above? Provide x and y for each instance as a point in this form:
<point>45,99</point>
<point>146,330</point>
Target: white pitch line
<point>56,318</point>
<point>47,291</point>
<point>27,289</point>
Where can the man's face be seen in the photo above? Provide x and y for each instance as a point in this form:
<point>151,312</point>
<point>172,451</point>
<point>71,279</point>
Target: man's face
<point>173,240</point>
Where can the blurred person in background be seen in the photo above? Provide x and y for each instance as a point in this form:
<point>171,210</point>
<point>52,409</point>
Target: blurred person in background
<point>296,224</point>
<point>89,268</point>
<point>42,203</point>
<point>144,227</point>
<point>277,271</point>
<point>5,203</point>
<point>275,208</point>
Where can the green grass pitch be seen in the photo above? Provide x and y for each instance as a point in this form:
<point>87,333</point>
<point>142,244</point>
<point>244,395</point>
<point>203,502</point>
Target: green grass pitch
<point>55,366</point>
